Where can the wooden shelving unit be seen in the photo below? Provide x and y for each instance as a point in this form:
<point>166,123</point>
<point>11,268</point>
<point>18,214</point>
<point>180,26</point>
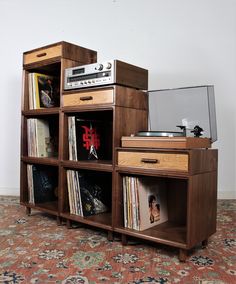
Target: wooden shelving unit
<point>125,109</point>
<point>190,175</point>
<point>51,60</point>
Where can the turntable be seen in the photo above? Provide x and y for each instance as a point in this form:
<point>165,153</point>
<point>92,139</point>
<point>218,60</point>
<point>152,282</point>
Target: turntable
<point>191,110</point>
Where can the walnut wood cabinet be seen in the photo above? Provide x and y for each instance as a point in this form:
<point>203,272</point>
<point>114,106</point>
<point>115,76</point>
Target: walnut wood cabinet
<point>50,60</point>
<point>190,174</point>
<point>125,109</point>
<point>191,179</point>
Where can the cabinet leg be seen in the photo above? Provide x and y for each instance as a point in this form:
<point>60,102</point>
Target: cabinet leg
<point>205,243</point>
<point>59,221</point>
<point>28,211</point>
<point>124,240</point>
<point>110,236</point>
<point>68,224</point>
<point>183,255</point>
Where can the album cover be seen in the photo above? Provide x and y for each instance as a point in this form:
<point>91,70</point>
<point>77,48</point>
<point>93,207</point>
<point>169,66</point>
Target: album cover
<point>152,202</point>
<point>44,90</point>
<point>45,184</point>
<point>93,139</point>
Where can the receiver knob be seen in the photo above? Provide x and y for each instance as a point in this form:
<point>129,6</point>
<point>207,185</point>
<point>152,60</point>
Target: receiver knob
<point>99,67</point>
<point>108,65</point>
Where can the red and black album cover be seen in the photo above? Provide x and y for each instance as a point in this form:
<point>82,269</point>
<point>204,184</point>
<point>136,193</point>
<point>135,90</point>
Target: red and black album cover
<point>93,139</point>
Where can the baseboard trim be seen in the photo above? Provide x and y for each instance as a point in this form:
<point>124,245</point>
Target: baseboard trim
<point>10,191</point>
<point>226,195</point>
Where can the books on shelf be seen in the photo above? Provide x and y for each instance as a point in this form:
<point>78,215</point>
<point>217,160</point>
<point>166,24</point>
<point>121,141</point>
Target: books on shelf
<point>145,203</point>
<point>89,139</point>
<point>43,91</point>
<point>42,184</point>
<point>87,196</point>
<point>40,143</point>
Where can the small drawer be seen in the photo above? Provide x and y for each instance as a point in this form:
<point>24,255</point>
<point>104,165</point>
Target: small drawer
<point>42,54</point>
<point>88,98</point>
<point>159,161</point>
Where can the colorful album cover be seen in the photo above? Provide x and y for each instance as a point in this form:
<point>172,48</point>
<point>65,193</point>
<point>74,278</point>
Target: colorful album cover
<point>93,139</point>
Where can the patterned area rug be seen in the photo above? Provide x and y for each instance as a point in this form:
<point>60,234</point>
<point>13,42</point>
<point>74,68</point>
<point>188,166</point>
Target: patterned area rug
<point>35,250</point>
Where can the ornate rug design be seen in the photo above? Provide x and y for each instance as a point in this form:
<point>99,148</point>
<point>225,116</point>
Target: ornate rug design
<point>33,249</point>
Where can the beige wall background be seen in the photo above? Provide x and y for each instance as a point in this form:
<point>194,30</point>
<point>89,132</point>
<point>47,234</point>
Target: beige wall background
<point>181,42</point>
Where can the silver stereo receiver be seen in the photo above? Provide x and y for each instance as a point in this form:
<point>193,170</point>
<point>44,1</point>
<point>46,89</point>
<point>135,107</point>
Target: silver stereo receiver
<point>106,73</point>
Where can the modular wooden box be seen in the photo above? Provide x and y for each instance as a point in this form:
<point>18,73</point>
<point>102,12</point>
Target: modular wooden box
<point>191,181</point>
<point>51,60</point>
<point>122,107</point>
<point>54,52</point>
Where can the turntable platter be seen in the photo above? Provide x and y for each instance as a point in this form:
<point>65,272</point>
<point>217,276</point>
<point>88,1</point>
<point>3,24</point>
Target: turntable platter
<point>160,134</point>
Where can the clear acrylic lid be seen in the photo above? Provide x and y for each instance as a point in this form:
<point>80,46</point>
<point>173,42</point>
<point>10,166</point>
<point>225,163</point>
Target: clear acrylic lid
<point>188,107</point>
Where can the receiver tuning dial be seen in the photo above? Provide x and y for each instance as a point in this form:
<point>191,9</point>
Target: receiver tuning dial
<point>108,65</point>
<point>99,67</point>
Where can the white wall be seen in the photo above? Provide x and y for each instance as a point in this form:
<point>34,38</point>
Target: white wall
<point>181,42</point>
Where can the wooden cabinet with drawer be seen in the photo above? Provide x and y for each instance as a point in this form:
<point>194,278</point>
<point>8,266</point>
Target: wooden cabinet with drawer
<point>54,52</point>
<point>121,111</point>
<point>190,179</point>
<point>45,62</point>
<point>107,95</point>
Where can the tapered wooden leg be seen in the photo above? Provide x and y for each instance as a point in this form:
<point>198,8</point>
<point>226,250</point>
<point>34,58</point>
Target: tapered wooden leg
<point>183,255</point>
<point>28,211</point>
<point>110,236</point>
<point>68,224</point>
<point>59,221</point>
<point>124,240</point>
<point>205,243</point>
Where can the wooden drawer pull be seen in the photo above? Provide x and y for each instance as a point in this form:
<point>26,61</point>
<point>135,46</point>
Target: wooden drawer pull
<point>150,161</point>
<point>41,54</point>
<point>87,98</point>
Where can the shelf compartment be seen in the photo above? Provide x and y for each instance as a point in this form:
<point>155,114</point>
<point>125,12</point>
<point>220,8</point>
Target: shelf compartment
<point>88,136</point>
<point>42,88</point>
<point>167,233</point>
<point>102,220</point>
<point>87,195</point>
<point>40,136</point>
<point>171,194</point>
<point>39,186</point>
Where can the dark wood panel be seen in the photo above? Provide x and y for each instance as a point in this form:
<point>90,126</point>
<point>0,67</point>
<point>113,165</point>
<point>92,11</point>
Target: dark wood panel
<point>129,97</point>
<point>177,200</point>
<point>130,75</point>
<point>41,161</point>
<point>98,165</point>
<point>78,53</point>
<point>203,160</point>
<point>202,200</point>
<point>41,112</point>
<point>128,121</point>
<point>23,183</point>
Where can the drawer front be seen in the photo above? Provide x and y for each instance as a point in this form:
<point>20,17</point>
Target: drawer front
<point>88,98</point>
<point>159,161</point>
<point>43,54</point>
